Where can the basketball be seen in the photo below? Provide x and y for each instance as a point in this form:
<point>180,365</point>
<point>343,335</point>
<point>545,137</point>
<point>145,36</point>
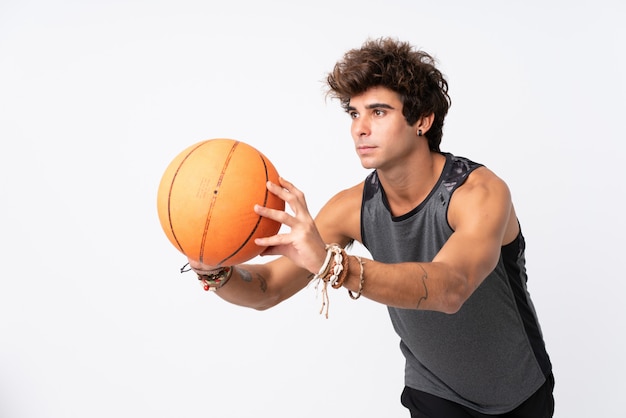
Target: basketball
<point>206,201</point>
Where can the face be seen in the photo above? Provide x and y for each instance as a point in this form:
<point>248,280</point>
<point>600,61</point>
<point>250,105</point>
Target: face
<point>381,135</point>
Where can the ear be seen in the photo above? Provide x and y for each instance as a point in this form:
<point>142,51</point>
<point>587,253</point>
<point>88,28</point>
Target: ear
<point>423,124</point>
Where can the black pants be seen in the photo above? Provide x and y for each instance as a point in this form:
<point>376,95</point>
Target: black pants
<point>424,405</point>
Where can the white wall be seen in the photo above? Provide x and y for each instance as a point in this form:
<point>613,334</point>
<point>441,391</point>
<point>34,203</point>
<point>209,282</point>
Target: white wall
<point>97,97</point>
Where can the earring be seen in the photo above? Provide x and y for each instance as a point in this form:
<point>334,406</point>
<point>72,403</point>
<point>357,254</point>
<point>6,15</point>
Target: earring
<point>419,132</point>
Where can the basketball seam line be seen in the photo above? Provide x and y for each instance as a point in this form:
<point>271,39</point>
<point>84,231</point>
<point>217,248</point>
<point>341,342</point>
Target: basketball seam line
<point>259,218</point>
<point>213,199</point>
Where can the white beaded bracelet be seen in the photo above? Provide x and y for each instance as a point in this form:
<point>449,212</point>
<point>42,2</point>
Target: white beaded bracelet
<point>330,250</point>
<point>337,267</point>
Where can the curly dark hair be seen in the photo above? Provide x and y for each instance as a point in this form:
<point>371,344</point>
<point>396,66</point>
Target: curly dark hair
<point>397,66</point>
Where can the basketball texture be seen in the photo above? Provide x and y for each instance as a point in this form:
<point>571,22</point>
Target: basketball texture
<point>206,201</point>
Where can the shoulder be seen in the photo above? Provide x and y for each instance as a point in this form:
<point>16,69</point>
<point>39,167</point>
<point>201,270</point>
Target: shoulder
<point>483,193</point>
<point>350,196</point>
<point>482,182</point>
<point>340,217</point>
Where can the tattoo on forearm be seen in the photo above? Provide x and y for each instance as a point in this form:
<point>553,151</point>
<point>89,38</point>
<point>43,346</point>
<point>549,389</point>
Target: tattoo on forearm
<point>246,276</point>
<point>263,283</point>
<point>424,277</point>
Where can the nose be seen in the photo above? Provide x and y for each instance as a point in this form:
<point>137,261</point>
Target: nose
<point>360,127</point>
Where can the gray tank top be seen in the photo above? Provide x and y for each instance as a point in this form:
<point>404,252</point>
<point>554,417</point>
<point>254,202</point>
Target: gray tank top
<point>490,356</point>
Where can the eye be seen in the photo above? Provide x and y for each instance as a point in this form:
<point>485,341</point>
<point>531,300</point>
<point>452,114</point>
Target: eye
<point>353,115</point>
<point>379,112</point>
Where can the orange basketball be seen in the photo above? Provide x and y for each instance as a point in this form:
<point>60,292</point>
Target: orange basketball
<point>206,201</point>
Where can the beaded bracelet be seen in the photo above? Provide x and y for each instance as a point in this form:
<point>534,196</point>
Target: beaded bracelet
<point>337,270</point>
<point>214,281</point>
<point>343,271</point>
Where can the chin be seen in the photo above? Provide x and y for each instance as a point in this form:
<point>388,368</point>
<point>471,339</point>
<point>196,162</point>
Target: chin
<point>367,165</point>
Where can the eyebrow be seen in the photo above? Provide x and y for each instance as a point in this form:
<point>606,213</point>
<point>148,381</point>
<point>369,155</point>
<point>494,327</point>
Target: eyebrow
<point>373,106</point>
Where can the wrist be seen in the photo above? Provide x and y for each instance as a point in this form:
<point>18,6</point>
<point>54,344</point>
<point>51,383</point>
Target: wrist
<point>326,263</point>
<point>334,262</point>
<point>215,279</point>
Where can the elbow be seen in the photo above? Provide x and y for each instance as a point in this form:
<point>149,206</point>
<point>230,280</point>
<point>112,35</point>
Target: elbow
<point>266,303</point>
<point>263,307</point>
<point>452,304</point>
<point>456,298</point>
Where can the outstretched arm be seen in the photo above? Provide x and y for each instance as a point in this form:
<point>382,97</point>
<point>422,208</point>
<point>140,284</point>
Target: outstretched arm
<point>261,286</point>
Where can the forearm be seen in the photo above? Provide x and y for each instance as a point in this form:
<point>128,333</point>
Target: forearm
<point>427,286</point>
<point>255,286</point>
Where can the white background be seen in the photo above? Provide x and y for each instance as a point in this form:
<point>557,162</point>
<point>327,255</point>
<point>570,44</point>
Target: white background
<point>97,97</point>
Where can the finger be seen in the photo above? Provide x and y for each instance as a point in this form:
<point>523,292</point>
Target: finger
<point>279,190</point>
<point>273,241</point>
<point>286,184</point>
<point>274,214</point>
<point>291,195</point>
<point>270,250</point>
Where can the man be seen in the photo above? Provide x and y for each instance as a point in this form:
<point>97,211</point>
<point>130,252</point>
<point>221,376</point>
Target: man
<point>447,248</point>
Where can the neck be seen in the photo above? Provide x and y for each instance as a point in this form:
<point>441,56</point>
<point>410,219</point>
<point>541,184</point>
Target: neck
<point>407,186</point>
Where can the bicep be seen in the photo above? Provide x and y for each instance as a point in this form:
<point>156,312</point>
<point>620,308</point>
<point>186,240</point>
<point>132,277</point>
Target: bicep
<point>479,215</point>
<point>339,220</point>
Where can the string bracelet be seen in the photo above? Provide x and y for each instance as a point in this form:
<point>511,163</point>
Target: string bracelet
<point>326,266</point>
<point>215,279</point>
<point>361,279</point>
<point>330,272</point>
<point>325,299</point>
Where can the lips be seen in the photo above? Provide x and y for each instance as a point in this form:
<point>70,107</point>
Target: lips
<point>364,149</point>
